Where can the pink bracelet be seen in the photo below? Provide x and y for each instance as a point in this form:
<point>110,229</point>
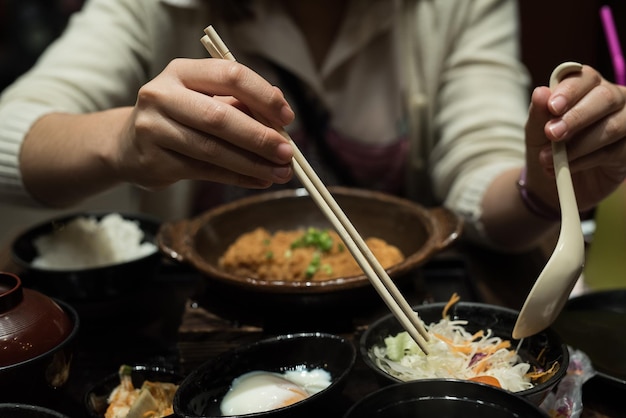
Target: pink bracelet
<point>533,203</point>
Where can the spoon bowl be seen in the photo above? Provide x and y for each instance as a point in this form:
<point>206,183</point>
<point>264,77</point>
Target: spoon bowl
<point>551,291</point>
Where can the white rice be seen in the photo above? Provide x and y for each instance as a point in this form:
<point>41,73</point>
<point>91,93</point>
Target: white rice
<point>86,243</point>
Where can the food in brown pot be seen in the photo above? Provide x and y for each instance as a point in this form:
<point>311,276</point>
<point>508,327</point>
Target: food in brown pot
<point>302,254</point>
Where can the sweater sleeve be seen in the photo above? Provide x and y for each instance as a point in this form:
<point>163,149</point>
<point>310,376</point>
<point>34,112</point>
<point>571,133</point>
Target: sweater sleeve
<point>480,107</point>
<point>93,65</point>
<point>15,121</point>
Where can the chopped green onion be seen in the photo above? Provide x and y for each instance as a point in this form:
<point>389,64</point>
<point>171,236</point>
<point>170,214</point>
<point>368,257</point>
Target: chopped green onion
<point>314,237</point>
<point>327,269</point>
<point>314,265</point>
<point>319,239</point>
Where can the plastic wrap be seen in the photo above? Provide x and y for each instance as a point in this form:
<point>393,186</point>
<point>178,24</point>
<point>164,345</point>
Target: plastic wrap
<point>567,400</point>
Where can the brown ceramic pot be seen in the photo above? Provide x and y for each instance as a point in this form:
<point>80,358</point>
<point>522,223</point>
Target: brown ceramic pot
<point>419,232</point>
<point>284,306</point>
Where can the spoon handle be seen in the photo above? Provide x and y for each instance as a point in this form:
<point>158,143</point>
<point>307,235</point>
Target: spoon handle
<point>565,188</point>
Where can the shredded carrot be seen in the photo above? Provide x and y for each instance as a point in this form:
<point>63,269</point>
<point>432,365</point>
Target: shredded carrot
<point>464,348</point>
<point>478,335</point>
<point>538,375</point>
<point>489,380</point>
<point>541,353</point>
<point>467,347</point>
<point>502,344</point>
<point>481,365</point>
<point>453,299</point>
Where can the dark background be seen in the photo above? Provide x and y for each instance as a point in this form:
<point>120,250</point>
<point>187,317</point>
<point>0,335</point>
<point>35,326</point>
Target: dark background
<point>553,31</point>
<point>26,29</point>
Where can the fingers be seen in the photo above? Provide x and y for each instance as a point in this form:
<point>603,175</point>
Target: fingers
<point>216,119</point>
<point>538,117</point>
<point>579,101</point>
<point>219,116</point>
<point>169,151</point>
<point>589,113</point>
<point>216,152</point>
<point>227,78</point>
<point>610,157</point>
<point>199,170</point>
<point>155,168</point>
<point>193,121</point>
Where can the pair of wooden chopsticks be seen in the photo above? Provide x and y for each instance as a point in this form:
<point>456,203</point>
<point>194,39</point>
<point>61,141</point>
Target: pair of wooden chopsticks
<point>377,275</point>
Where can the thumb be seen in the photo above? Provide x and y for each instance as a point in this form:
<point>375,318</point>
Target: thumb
<point>538,117</point>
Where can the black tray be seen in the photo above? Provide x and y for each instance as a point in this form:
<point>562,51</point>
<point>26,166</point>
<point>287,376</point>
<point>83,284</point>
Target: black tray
<point>595,324</point>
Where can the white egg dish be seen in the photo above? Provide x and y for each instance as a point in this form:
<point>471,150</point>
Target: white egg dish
<point>260,391</point>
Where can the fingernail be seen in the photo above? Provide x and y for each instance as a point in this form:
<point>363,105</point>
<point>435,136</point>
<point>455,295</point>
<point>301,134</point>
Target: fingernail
<point>545,156</point>
<point>284,152</point>
<point>281,173</point>
<point>286,115</point>
<point>558,128</point>
<point>558,104</point>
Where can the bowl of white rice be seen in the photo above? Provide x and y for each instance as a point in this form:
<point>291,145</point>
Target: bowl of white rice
<point>88,256</point>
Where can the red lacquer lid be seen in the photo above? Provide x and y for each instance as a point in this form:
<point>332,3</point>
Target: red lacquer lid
<point>31,323</point>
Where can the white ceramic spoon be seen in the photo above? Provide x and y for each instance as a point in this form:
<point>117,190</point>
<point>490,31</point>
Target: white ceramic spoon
<point>557,279</point>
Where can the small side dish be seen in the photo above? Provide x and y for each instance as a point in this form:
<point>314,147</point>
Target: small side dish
<point>261,391</point>
<point>302,254</point>
<point>151,400</point>
<point>274,372</point>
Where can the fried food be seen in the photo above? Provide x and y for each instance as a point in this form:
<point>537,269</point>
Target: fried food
<point>297,255</point>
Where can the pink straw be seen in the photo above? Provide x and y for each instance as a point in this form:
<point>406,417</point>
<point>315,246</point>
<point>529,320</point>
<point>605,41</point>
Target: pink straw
<point>614,46</point>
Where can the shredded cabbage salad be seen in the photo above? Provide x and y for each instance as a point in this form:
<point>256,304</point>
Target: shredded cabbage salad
<point>455,353</point>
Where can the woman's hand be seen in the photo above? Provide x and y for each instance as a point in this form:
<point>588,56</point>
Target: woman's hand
<point>193,121</point>
<point>589,113</point>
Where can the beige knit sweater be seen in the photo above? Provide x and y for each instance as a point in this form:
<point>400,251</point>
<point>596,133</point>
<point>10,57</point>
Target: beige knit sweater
<point>455,62</point>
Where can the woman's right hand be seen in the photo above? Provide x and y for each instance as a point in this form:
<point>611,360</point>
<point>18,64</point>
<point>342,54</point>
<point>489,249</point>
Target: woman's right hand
<point>193,121</point>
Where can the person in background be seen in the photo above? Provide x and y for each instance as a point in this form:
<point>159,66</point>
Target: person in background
<point>426,99</point>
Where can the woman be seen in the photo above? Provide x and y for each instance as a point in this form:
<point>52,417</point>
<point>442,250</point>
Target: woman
<point>423,98</point>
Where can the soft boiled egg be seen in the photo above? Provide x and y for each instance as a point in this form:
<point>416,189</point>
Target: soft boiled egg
<point>260,391</point>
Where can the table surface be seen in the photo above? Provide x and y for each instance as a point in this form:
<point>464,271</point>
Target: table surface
<point>176,323</point>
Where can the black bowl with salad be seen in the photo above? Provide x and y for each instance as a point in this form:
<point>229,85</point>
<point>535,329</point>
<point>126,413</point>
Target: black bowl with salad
<point>468,341</point>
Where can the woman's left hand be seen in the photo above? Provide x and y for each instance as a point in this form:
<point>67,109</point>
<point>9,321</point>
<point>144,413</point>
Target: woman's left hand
<point>589,113</point>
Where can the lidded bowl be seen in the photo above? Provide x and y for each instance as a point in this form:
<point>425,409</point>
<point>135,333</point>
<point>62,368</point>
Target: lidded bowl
<point>31,323</point>
<point>35,335</point>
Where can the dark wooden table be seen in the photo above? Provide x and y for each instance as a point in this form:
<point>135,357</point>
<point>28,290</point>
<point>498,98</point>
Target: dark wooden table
<point>176,321</point>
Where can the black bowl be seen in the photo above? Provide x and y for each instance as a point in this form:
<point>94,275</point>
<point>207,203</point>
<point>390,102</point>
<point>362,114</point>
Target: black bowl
<point>90,285</point>
<point>443,398</point>
<point>200,394</point>
<point>18,410</point>
<point>42,375</point>
<point>500,320</point>
<point>96,396</point>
